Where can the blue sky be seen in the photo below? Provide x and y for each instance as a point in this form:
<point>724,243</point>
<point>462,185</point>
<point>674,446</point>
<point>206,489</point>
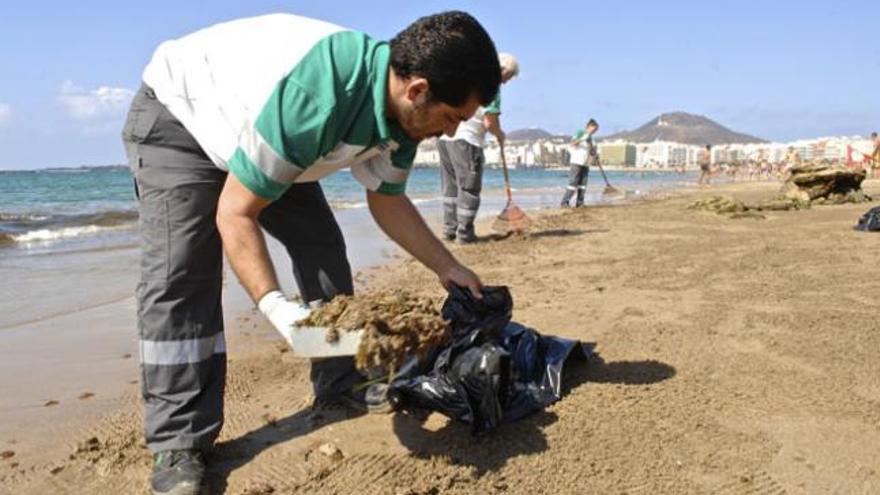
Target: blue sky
<point>781,70</point>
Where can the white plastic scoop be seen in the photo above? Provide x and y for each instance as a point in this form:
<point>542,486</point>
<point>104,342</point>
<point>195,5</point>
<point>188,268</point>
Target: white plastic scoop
<point>311,342</point>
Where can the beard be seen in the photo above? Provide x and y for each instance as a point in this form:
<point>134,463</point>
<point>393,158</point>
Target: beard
<point>417,121</point>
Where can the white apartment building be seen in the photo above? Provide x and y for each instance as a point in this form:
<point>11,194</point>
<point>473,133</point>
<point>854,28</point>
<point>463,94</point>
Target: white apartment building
<point>664,154</point>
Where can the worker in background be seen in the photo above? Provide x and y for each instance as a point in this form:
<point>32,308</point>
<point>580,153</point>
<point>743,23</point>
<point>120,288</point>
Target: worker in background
<point>462,161</point>
<point>583,154</point>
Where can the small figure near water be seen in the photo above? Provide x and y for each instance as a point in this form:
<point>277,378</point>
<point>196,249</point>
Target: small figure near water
<point>583,154</point>
<point>705,161</point>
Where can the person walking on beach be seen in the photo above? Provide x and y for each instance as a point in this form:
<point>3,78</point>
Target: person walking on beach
<point>229,134</point>
<point>462,161</point>
<point>705,161</point>
<point>583,154</point>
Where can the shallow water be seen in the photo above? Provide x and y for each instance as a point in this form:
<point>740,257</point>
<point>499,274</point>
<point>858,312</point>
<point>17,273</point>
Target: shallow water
<point>49,211</point>
<point>71,242</point>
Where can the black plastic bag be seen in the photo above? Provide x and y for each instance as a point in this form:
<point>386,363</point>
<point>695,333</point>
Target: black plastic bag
<point>493,371</point>
<point>870,221</point>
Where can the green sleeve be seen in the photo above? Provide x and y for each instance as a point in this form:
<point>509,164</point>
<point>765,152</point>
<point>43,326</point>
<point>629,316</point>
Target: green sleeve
<point>388,172</point>
<point>402,160</point>
<point>257,182</point>
<point>494,107</point>
<point>302,120</point>
<point>289,135</point>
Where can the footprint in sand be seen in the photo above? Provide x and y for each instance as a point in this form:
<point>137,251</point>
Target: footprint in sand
<point>51,403</point>
<point>85,395</point>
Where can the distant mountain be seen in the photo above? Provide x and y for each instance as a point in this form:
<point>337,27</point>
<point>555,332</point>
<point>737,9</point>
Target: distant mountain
<point>681,127</point>
<point>530,134</point>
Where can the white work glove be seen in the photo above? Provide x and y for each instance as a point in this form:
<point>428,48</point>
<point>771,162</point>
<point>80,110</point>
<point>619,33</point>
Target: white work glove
<point>281,311</point>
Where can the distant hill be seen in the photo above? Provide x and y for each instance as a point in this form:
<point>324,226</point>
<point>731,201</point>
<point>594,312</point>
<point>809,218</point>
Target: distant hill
<point>681,127</point>
<point>530,134</point>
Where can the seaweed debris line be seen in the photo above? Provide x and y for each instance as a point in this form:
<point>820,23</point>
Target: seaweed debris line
<point>396,326</point>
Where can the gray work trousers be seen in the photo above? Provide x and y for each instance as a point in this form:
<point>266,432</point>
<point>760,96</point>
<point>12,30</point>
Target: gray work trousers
<point>577,182</point>
<point>461,175</point>
<point>180,318</point>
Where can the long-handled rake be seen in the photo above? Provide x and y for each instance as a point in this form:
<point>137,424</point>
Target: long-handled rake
<point>512,218</point>
<point>609,189</point>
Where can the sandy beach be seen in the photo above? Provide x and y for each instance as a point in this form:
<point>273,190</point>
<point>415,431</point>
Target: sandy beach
<point>739,358</point>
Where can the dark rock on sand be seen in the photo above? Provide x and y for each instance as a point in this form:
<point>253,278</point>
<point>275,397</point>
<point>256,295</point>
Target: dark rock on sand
<point>809,182</point>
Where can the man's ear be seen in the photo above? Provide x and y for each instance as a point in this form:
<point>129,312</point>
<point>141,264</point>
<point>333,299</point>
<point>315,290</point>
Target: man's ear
<point>417,90</point>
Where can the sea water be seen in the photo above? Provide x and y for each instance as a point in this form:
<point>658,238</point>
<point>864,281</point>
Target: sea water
<point>68,237</point>
<point>92,208</point>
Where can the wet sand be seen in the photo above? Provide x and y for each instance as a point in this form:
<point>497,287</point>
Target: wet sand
<point>740,357</point>
<point>81,338</point>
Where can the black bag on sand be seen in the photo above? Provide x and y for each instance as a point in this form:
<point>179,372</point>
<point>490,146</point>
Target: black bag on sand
<point>870,221</point>
<point>493,371</point>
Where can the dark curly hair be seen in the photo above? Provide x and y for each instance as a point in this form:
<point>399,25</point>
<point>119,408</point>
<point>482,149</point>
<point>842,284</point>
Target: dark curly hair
<point>453,52</point>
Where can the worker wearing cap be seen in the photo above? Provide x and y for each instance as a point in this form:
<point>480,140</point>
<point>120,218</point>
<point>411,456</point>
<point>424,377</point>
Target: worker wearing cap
<point>583,154</point>
<point>462,162</point>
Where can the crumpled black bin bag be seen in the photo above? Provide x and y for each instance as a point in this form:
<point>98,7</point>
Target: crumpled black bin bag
<point>870,221</point>
<point>493,371</point>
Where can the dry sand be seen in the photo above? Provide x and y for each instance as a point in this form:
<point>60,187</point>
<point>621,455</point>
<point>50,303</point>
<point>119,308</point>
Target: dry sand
<point>740,358</point>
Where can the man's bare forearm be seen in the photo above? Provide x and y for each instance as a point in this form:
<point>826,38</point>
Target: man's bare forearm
<point>245,247</point>
<point>399,218</point>
<point>402,222</point>
<point>243,240</point>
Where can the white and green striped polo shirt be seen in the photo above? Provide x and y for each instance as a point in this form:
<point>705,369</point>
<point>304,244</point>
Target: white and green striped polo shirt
<point>279,99</point>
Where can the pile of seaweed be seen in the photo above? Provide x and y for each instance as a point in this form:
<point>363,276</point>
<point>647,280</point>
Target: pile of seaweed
<point>735,208</point>
<point>396,326</point>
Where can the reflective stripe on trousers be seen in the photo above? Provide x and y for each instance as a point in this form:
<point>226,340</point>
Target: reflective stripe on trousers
<point>180,316</point>
<point>577,181</point>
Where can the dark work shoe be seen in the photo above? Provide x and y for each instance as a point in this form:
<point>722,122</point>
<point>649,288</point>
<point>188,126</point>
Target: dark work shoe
<point>380,400</point>
<point>179,472</point>
<point>466,238</point>
<point>449,236</point>
<point>374,399</point>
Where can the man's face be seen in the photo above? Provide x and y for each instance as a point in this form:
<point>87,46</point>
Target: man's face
<point>421,118</point>
<point>592,129</point>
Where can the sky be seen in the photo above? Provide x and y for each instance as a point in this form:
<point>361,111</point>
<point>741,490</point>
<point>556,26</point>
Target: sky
<point>780,70</point>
